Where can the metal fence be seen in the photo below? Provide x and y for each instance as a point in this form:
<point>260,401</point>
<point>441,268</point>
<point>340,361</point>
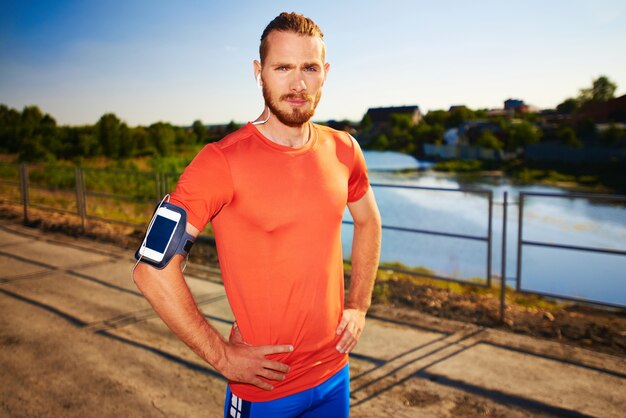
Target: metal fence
<point>80,189</point>
<point>522,243</point>
<point>486,239</point>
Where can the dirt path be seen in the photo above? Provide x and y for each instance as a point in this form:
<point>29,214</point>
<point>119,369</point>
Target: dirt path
<point>77,339</point>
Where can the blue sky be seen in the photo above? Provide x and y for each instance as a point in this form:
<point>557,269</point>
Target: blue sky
<point>157,60</point>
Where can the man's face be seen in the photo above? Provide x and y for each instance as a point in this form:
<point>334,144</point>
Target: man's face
<point>293,73</point>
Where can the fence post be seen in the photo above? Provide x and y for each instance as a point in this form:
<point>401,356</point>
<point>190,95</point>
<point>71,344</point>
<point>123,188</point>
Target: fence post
<point>24,190</point>
<point>80,197</point>
<point>503,273</point>
<point>166,183</point>
<point>520,224</point>
<point>83,193</point>
<point>157,186</point>
<point>489,237</point>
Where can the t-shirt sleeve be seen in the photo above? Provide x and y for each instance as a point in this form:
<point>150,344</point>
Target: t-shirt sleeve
<point>358,182</point>
<point>204,187</point>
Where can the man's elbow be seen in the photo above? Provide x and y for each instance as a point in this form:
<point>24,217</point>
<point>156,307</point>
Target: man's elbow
<point>147,277</point>
<point>142,275</point>
<point>372,222</point>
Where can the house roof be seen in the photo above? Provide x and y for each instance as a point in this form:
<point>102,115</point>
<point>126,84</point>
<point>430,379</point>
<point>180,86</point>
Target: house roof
<point>383,114</point>
<point>613,110</point>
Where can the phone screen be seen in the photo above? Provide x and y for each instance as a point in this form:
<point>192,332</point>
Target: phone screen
<point>160,234</point>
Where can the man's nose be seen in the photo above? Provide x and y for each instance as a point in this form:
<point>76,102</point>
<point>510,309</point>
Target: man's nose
<point>297,84</point>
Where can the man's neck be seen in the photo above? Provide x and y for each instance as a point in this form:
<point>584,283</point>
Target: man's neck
<point>294,137</point>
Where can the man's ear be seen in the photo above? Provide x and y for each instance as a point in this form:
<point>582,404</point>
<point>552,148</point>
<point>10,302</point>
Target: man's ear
<point>256,66</point>
<point>326,70</point>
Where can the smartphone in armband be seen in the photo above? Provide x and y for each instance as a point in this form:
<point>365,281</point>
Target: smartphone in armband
<point>160,235</point>
<point>165,237</point>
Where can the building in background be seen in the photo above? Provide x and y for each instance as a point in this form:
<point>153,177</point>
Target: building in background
<point>381,116</point>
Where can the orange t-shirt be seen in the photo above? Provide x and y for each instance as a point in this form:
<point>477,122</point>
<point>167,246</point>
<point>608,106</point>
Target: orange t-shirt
<point>276,212</point>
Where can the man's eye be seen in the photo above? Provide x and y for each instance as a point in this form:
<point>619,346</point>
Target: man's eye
<point>311,68</point>
<point>281,68</point>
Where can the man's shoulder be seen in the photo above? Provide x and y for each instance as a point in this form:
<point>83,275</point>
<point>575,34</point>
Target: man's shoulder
<point>217,152</point>
<point>341,138</point>
<point>240,134</point>
<point>338,136</point>
<point>328,130</point>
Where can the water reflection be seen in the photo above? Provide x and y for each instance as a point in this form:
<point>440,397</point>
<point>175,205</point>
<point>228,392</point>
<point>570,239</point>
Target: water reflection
<point>557,220</point>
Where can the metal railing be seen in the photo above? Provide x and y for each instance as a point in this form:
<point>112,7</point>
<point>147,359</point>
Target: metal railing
<point>163,182</point>
<point>486,239</point>
<point>83,192</point>
<point>521,243</point>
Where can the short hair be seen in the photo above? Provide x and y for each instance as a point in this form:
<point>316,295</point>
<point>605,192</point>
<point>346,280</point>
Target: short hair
<point>289,22</point>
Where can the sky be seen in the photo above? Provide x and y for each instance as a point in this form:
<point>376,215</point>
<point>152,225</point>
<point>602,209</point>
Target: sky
<point>177,62</point>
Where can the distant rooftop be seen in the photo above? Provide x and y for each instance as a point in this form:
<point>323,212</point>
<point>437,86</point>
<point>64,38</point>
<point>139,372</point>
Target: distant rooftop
<point>380,115</point>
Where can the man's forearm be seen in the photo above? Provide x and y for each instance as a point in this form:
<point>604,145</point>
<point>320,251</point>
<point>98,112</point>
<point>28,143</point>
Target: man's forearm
<point>170,297</point>
<point>365,257</point>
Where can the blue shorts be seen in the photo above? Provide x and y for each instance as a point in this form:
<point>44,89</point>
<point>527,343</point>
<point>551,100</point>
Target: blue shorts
<point>330,399</point>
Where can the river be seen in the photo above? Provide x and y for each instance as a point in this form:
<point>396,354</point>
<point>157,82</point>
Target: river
<point>577,222</point>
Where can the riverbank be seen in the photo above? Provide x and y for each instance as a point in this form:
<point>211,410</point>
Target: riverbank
<point>605,178</point>
<point>579,325</point>
<point>576,325</point>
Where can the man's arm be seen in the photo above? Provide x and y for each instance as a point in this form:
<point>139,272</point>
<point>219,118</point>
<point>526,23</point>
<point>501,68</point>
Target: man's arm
<point>170,297</point>
<point>365,256</point>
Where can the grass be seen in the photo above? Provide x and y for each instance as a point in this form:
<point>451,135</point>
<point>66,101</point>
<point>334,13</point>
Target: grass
<point>63,200</point>
<point>388,274</point>
<point>459,166</point>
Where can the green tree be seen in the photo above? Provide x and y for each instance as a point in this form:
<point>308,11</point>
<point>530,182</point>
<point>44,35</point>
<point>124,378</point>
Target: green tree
<point>423,133</point>
<point>108,135</point>
<point>163,138</point>
<point>459,115</point>
<point>87,144</point>
<point>77,142</point>
<point>366,122</point>
<point>200,130</point>
<point>128,145</point>
<point>487,139</point>
<point>9,129</point>
<point>567,136</point>
<point>602,90</point>
<point>141,138</point>
<point>185,138</point>
<point>29,121</point>
<point>33,150</point>
<point>380,143</point>
<point>36,135</point>
<point>521,134</point>
<point>49,132</point>
<point>232,126</point>
<point>568,106</point>
<point>399,133</point>
<point>437,117</point>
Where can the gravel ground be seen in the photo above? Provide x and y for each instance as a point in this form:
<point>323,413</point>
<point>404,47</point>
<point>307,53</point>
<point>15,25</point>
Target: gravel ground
<point>77,339</point>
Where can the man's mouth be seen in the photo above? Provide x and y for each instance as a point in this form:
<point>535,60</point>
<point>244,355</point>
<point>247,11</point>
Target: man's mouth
<point>296,100</point>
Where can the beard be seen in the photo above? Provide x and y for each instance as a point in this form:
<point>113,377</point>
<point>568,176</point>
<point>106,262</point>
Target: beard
<point>296,117</point>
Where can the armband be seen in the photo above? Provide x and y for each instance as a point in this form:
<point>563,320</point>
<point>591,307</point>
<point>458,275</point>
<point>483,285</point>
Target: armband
<point>166,236</point>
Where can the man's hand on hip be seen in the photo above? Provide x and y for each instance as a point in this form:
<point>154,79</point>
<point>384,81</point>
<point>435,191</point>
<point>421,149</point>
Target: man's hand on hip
<point>350,328</point>
<point>245,363</point>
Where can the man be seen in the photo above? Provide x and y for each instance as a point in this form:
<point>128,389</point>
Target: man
<point>275,192</point>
